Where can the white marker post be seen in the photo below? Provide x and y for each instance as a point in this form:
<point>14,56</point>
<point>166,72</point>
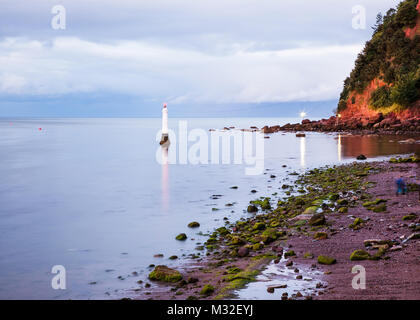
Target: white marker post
<point>164,141</point>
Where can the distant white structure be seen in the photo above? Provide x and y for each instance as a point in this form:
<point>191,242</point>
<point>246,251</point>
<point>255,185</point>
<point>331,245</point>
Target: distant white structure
<point>165,136</point>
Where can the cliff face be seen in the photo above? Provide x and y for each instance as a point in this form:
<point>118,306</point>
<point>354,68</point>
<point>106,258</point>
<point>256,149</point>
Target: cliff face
<point>386,77</point>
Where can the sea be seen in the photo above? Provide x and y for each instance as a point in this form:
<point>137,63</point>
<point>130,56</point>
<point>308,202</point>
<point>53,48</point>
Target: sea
<point>99,198</point>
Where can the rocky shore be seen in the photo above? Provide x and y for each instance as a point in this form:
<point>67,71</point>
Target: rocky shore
<point>378,123</point>
<point>331,219</point>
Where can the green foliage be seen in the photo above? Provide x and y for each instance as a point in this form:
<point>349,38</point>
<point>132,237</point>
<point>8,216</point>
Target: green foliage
<point>407,13</point>
<point>406,89</point>
<point>391,57</point>
<point>381,97</point>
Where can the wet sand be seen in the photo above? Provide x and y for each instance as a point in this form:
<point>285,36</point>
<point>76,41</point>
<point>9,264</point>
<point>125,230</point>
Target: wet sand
<point>394,275</point>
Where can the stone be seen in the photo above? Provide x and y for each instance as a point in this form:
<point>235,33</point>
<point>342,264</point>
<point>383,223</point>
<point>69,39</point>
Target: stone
<point>192,280</point>
<point>243,252</point>
<point>357,224</point>
<point>317,219</point>
<point>343,210</point>
<point>326,260</point>
<point>310,210</point>
<point>277,249</point>
<point>396,248</point>
<point>411,216</point>
<point>181,237</point>
<point>258,226</point>
<point>207,290</point>
<point>193,224</point>
<point>252,209</point>
<point>321,236</point>
<point>334,197</point>
<point>289,253</point>
<point>413,237</point>
<point>165,274</point>
<point>343,202</point>
<point>359,255</point>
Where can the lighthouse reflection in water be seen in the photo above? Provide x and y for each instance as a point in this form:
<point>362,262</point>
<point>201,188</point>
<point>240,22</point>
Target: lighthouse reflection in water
<point>165,178</point>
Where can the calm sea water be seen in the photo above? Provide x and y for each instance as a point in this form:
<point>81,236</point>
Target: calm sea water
<point>89,194</point>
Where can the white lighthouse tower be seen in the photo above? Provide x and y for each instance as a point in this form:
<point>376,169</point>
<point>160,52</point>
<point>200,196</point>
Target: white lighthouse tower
<point>165,134</point>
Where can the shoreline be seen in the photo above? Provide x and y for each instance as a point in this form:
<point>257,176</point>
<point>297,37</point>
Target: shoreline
<point>377,124</point>
<point>239,252</point>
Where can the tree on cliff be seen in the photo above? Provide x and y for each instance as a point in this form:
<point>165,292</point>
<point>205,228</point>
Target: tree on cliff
<point>391,57</point>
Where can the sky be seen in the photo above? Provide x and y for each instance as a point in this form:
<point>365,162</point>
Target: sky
<point>125,57</point>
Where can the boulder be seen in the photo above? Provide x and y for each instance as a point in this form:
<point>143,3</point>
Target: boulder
<point>165,274</point>
<point>317,220</point>
<point>252,209</point>
<point>326,260</point>
<point>181,237</point>
<point>359,255</point>
<point>243,252</point>
<point>193,224</point>
<point>207,290</point>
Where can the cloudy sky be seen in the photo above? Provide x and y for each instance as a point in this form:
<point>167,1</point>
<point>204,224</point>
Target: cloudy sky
<point>184,52</point>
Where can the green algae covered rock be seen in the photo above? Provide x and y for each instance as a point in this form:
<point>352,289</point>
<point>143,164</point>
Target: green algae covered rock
<point>357,224</point>
<point>258,226</point>
<point>380,208</point>
<point>378,205</point>
<point>317,219</point>
<point>165,274</point>
<point>359,255</point>
<point>412,159</point>
<point>318,202</point>
<point>289,253</point>
<point>193,224</point>
<point>311,210</point>
<point>181,237</point>
<point>269,235</point>
<point>374,202</point>
<point>222,231</point>
<point>264,204</point>
<point>343,210</point>
<point>321,236</point>
<point>326,260</point>
<point>236,241</point>
<point>411,216</point>
<point>334,197</point>
<point>378,255</point>
<point>308,255</point>
<point>342,202</point>
<point>252,209</point>
<point>207,290</point>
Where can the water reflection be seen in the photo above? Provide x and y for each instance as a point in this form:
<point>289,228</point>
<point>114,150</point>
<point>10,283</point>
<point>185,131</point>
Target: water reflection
<point>339,146</point>
<point>302,151</point>
<point>374,145</point>
<point>165,179</point>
